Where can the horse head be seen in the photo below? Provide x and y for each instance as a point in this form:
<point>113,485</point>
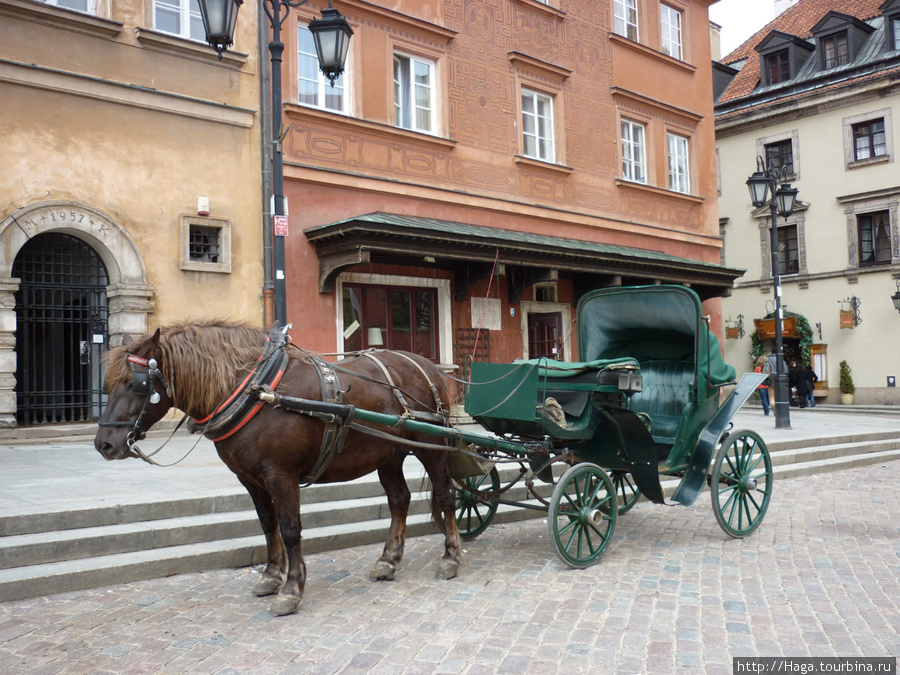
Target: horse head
<point>139,396</point>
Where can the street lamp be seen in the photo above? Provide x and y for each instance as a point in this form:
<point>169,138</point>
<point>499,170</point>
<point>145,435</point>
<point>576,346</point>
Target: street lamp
<point>332,37</point>
<point>764,188</point>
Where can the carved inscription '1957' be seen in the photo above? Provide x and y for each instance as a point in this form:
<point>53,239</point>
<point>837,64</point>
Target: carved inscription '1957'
<point>49,217</point>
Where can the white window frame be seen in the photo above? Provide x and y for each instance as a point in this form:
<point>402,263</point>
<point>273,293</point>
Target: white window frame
<point>405,106</point>
<point>544,144</point>
<point>323,86</point>
<point>625,17</point>
<point>90,6</point>
<point>847,123</point>
<point>634,168</point>
<point>670,32</point>
<point>679,163</point>
<point>183,9</point>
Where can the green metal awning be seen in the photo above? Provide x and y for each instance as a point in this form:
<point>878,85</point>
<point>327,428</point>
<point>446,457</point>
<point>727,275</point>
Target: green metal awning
<point>469,250</point>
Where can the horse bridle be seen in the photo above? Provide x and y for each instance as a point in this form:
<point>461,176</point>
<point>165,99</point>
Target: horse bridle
<point>142,385</point>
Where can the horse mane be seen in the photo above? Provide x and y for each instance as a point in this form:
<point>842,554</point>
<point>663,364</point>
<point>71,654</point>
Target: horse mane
<point>202,360</point>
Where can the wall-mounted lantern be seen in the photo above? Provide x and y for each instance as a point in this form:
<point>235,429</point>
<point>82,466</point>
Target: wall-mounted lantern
<point>895,298</point>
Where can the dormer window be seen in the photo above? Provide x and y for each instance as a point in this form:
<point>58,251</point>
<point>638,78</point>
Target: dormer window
<point>891,12</point>
<point>839,37</point>
<point>781,57</point>
<point>778,67</point>
<point>835,51</point>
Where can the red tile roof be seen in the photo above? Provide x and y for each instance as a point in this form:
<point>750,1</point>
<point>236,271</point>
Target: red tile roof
<point>797,20</point>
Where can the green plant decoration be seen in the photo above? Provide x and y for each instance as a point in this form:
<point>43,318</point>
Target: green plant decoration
<point>847,386</point>
<point>806,339</point>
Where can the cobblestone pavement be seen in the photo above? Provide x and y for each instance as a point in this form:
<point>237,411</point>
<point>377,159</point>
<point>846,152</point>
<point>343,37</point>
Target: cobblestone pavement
<point>672,594</point>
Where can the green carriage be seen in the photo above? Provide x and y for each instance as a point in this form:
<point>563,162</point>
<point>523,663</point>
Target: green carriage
<point>644,402</point>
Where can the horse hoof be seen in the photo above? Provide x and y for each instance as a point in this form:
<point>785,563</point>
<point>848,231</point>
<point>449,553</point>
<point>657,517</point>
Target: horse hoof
<point>285,604</point>
<point>266,586</point>
<point>383,571</point>
<point>447,569</point>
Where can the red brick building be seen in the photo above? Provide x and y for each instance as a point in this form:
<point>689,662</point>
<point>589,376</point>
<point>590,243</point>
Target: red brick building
<point>483,163</point>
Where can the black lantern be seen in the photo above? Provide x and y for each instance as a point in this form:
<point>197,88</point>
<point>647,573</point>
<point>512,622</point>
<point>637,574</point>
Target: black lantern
<point>895,298</point>
<point>759,188</point>
<point>786,196</point>
<point>219,18</point>
<point>332,35</point>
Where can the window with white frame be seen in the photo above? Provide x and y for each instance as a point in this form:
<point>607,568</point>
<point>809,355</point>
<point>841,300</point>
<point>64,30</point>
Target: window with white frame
<point>537,125</point>
<point>679,166</point>
<point>313,88</point>
<point>86,6</point>
<point>868,138</point>
<point>414,93</point>
<point>179,17</point>
<point>670,31</point>
<point>626,18</point>
<point>634,154</point>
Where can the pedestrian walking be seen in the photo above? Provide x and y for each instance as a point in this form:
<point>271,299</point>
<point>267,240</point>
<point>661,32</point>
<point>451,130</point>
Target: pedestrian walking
<point>762,366</point>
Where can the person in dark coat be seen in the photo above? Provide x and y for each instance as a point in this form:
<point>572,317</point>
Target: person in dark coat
<point>811,378</point>
<point>797,378</point>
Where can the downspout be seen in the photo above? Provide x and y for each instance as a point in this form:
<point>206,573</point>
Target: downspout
<point>268,289</point>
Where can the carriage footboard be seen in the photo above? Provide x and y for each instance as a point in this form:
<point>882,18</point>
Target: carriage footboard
<point>695,476</point>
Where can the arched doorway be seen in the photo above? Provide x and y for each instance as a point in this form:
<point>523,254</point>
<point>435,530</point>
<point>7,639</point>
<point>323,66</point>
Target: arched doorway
<point>61,329</point>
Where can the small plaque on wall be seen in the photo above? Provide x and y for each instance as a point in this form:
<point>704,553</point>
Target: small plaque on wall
<point>486,313</point>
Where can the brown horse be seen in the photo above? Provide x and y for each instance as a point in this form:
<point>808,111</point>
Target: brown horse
<point>195,367</point>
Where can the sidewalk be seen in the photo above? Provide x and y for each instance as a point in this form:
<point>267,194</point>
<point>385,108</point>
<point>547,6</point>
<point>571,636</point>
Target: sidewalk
<point>60,475</point>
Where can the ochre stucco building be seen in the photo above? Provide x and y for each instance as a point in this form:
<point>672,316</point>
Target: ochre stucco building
<point>114,122</point>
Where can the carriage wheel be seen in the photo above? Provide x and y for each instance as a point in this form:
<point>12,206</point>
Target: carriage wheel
<point>581,519</point>
<point>627,493</point>
<point>741,483</point>
<point>473,514</point>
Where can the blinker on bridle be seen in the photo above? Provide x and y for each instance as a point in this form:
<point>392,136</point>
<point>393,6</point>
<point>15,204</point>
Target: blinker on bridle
<point>142,385</point>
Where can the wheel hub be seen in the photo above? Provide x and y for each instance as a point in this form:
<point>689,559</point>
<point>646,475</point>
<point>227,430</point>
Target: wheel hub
<point>747,484</point>
<point>591,516</point>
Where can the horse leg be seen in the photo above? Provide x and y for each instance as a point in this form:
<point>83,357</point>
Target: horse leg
<point>398,496</point>
<point>286,497</point>
<point>276,558</point>
<point>443,503</point>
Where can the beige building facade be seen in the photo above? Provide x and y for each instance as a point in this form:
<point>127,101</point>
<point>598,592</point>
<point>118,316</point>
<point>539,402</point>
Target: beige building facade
<point>130,191</point>
<point>831,126</point>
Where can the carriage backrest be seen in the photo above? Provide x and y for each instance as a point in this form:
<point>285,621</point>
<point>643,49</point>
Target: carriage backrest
<point>652,324</point>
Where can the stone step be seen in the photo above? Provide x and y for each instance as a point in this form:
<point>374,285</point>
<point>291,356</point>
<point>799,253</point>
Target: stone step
<point>84,548</point>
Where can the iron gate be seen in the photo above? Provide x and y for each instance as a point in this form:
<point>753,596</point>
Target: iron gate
<point>61,330</point>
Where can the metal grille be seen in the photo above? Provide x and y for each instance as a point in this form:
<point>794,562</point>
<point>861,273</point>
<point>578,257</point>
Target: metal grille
<point>204,244</point>
<point>61,328</point>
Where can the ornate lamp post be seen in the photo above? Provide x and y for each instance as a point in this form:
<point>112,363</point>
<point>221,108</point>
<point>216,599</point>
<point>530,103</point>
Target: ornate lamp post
<point>332,37</point>
<point>764,188</point>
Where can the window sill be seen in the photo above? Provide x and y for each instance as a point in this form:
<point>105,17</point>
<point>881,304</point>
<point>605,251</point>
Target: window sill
<point>643,187</point>
<point>541,164</point>
<point>648,51</point>
<point>553,12</point>
<point>858,163</point>
<point>60,17</point>
<point>182,47</point>
<point>295,111</point>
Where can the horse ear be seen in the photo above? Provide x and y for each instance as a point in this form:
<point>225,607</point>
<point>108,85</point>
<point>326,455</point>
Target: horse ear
<point>127,339</point>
